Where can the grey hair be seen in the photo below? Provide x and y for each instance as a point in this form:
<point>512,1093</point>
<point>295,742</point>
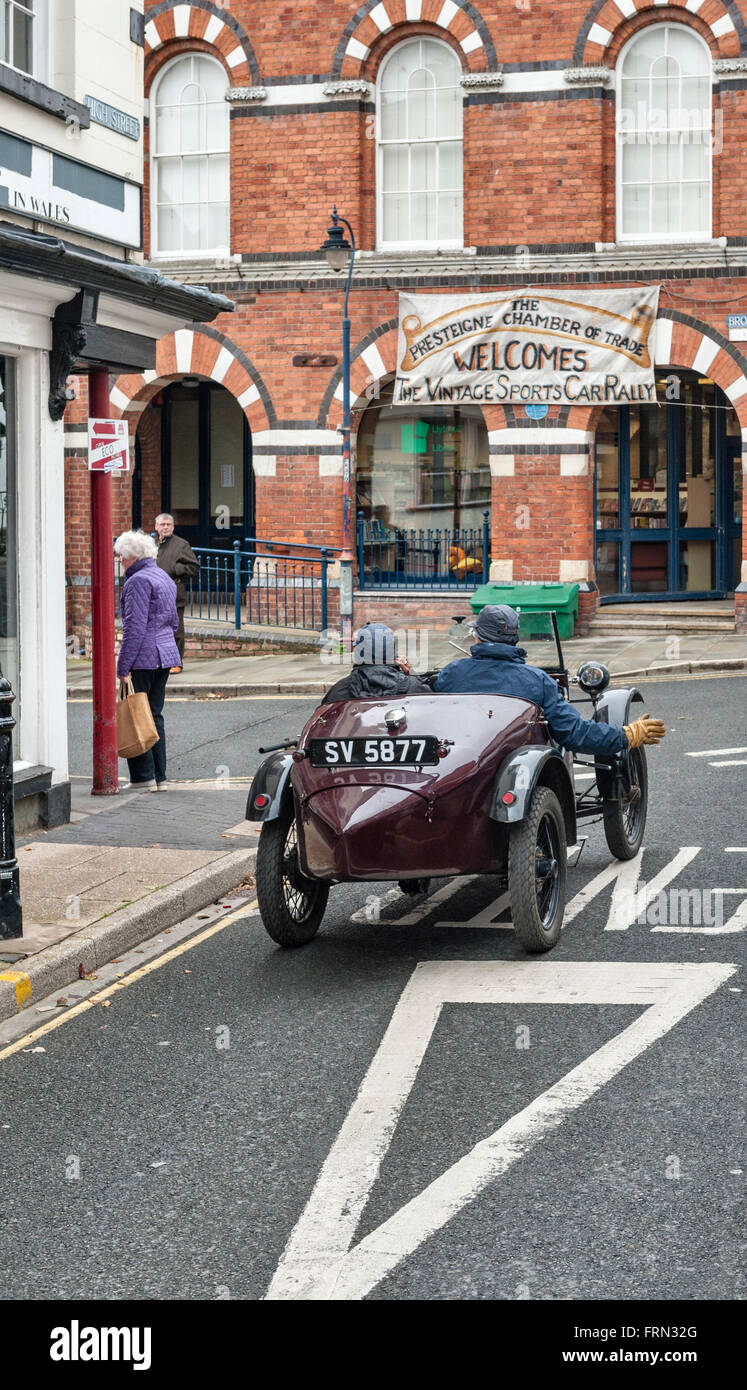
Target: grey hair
<point>164,516</point>
<point>135,545</point>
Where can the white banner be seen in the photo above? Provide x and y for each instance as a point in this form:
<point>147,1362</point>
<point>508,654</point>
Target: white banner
<point>534,346</point>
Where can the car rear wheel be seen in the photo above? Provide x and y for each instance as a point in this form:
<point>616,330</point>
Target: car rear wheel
<point>537,873</point>
<point>291,905</point>
<point>625,819</point>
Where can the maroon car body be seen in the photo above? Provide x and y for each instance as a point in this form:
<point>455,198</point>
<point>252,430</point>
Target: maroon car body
<point>409,822</point>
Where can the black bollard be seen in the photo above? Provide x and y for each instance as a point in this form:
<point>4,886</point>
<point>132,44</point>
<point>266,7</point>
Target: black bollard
<point>11,916</point>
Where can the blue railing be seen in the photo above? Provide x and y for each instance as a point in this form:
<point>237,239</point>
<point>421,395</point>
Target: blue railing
<point>395,558</point>
<point>269,583</point>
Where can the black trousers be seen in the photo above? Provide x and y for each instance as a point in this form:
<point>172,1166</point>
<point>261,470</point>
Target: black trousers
<point>151,765</point>
<point>180,632</point>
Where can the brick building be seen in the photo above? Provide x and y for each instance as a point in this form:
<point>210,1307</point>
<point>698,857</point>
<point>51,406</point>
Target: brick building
<point>474,147</point>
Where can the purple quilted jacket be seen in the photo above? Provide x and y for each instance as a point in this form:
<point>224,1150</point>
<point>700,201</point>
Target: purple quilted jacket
<point>149,620</point>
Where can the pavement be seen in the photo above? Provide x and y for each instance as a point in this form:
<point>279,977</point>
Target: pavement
<point>311,673</point>
<point>124,867</point>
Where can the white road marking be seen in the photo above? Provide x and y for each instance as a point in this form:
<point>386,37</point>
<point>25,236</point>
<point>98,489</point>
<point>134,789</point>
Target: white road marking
<point>730,762</point>
<point>484,918</point>
<point>716,752</point>
<point>737,922</point>
<point>735,849</point>
<point>629,903</point>
<point>318,1263</point>
<point>440,896</point>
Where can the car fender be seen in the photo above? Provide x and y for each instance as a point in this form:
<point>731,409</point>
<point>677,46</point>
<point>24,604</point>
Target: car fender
<point>271,779</point>
<point>614,709</point>
<point>520,773</point>
<point>614,706</point>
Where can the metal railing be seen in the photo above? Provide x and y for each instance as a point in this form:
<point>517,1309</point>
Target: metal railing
<point>259,582</point>
<point>396,558</point>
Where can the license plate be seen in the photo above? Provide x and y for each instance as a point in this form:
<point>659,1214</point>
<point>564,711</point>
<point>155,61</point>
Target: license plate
<point>405,751</point>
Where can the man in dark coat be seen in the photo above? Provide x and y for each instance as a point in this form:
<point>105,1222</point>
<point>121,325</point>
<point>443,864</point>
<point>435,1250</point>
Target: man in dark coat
<point>177,558</point>
<point>496,665</point>
<point>378,673</point>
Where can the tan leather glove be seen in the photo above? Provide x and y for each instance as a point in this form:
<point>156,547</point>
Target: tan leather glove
<point>644,730</point>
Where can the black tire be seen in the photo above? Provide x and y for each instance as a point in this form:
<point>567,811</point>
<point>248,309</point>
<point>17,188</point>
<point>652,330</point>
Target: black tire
<point>625,821</point>
<point>291,905</point>
<point>537,873</point>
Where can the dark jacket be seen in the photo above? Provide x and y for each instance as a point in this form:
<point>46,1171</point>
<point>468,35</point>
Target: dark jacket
<point>500,669</point>
<point>149,620</point>
<point>375,683</point>
<point>177,558</point>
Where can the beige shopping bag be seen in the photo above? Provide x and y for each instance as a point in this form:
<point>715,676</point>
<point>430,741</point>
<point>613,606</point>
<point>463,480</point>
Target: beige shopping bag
<point>136,731</point>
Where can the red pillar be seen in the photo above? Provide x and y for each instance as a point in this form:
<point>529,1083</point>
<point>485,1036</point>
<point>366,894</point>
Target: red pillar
<point>105,762</point>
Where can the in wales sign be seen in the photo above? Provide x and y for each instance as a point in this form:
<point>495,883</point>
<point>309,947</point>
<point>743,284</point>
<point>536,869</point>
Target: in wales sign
<point>533,347</point>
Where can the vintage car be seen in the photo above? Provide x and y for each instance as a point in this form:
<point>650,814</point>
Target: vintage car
<point>426,786</point>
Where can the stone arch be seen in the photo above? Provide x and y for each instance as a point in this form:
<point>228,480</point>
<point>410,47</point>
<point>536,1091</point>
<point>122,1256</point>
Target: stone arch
<point>199,351</point>
<point>372,360</point>
<point>201,19</point>
<point>605,17</point>
<point>685,343</point>
<point>461,19</point>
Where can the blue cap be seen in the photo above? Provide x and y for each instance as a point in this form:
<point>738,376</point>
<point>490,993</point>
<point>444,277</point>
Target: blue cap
<point>375,645</point>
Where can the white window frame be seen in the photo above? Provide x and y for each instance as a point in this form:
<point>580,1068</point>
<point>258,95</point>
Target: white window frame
<point>656,238</point>
<point>213,253</point>
<point>382,245</point>
<point>40,40</point>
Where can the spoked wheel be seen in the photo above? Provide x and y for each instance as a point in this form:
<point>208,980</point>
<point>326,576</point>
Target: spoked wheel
<point>625,819</point>
<point>291,905</point>
<point>537,873</point>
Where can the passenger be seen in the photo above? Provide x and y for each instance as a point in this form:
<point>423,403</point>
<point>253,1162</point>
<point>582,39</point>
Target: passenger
<point>498,666</point>
<point>378,673</point>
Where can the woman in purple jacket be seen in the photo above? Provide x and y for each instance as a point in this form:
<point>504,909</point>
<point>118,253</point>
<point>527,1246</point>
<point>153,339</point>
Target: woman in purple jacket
<point>148,651</point>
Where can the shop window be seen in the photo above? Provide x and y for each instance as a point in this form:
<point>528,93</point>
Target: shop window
<point>425,471</point>
<point>190,197</point>
<point>664,136</point>
<point>419,131</point>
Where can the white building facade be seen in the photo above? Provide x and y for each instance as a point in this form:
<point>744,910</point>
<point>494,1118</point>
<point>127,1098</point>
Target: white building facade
<point>73,295</point>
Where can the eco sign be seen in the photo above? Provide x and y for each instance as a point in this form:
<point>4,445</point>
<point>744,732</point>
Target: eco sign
<point>534,346</point>
<point>108,446</point>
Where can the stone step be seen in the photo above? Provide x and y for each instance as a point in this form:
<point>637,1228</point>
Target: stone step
<point>640,627</point>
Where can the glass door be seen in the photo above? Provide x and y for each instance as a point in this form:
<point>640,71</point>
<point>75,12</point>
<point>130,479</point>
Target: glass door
<point>668,496</point>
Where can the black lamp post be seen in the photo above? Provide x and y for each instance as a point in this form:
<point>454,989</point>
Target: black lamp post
<point>11,919</point>
<point>339,252</point>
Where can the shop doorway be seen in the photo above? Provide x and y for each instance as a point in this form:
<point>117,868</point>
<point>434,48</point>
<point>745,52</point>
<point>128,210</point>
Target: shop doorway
<point>668,495</point>
<point>207,481</point>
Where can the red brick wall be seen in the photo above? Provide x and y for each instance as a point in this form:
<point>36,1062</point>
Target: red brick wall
<point>536,172</point>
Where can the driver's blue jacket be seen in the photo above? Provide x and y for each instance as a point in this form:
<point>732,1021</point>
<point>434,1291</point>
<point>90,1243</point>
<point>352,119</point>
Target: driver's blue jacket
<point>496,668</point>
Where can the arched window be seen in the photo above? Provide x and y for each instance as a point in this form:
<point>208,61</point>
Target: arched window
<point>419,134</point>
<point>190,197</point>
<point>664,136</point>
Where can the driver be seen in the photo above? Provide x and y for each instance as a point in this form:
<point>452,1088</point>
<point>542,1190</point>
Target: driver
<point>498,666</point>
<point>378,673</point>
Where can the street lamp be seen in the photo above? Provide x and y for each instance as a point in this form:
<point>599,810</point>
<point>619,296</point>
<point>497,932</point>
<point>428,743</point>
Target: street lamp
<point>339,251</point>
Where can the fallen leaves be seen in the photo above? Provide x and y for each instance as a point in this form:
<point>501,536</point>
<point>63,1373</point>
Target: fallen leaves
<point>84,974</point>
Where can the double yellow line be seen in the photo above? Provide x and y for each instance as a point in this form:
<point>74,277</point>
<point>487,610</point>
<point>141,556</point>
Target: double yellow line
<point>130,979</point>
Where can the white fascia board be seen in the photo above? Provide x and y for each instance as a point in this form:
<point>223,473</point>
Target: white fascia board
<point>27,307</point>
<point>122,314</point>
